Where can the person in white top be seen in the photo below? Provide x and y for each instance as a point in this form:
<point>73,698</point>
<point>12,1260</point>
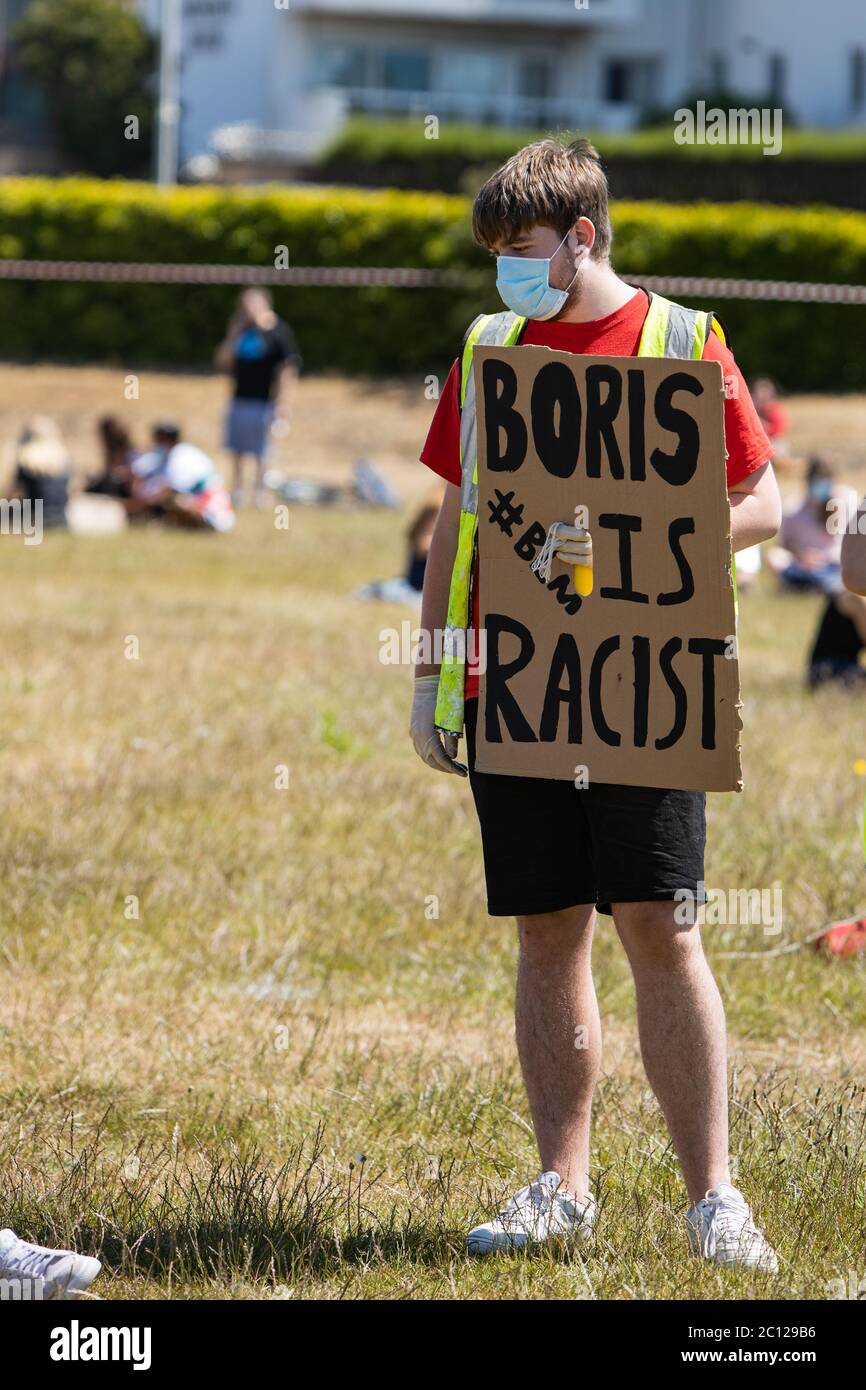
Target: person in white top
<point>180,482</point>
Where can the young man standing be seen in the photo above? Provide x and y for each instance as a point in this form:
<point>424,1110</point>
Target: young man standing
<point>619,850</point>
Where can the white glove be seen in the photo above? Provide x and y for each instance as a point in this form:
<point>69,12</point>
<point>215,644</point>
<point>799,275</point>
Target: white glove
<point>572,545</point>
<point>436,749</point>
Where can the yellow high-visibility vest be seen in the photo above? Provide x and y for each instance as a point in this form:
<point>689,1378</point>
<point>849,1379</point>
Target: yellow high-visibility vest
<point>670,330</point>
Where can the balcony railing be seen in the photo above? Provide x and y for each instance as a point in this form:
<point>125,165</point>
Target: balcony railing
<point>495,109</point>
<point>517,12</point>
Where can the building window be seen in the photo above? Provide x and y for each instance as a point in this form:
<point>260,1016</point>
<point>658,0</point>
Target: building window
<point>776,78</point>
<point>22,103</point>
<point>207,9</point>
<point>858,79</point>
<point>634,81</point>
<point>718,72</point>
<point>406,70</point>
<point>535,77</point>
<point>341,65</point>
<point>472,72</point>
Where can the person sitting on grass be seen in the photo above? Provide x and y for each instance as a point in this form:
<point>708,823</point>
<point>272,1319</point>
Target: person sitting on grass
<point>42,470</point>
<point>841,638</point>
<point>179,483</point>
<point>810,537</point>
<point>408,587</point>
<point>555,854</point>
<point>118,456</point>
<point>839,641</point>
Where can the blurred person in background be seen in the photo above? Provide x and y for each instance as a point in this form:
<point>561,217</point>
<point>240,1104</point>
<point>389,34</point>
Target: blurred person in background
<point>118,456</point>
<point>839,641</point>
<point>260,352</point>
<point>809,552</point>
<point>774,419</point>
<point>771,413</point>
<point>408,587</point>
<point>841,637</point>
<point>42,469</point>
<point>854,553</point>
<point>179,482</point>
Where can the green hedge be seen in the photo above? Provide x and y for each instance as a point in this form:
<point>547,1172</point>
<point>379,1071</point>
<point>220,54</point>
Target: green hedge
<point>391,331</point>
<point>813,166</point>
<point>368,141</point>
<point>362,330</point>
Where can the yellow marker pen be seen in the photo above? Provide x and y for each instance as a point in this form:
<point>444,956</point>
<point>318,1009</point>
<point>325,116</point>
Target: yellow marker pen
<point>583,580</point>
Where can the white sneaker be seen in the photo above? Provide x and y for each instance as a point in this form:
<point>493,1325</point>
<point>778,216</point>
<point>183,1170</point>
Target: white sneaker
<point>540,1212</point>
<point>721,1228</point>
<point>35,1272</point>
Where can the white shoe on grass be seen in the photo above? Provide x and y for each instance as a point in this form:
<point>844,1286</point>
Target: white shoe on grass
<point>35,1272</point>
<point>543,1211</point>
<point>722,1229</point>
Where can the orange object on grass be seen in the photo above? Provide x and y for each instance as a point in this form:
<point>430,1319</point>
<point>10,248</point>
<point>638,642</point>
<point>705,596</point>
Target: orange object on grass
<point>843,938</point>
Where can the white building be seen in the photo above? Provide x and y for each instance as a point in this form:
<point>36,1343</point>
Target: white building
<point>289,67</point>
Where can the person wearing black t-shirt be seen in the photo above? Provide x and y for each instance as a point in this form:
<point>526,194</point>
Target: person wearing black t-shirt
<point>259,351</point>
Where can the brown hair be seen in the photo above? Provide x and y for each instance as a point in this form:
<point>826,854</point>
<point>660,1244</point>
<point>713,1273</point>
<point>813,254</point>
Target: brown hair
<point>549,182</point>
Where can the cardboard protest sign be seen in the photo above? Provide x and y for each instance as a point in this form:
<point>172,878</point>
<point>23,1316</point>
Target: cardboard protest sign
<point>638,682</point>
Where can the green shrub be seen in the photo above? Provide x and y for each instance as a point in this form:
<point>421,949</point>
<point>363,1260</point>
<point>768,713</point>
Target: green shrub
<point>93,61</point>
<point>363,330</point>
<point>392,330</point>
<point>813,166</point>
<point>368,141</point>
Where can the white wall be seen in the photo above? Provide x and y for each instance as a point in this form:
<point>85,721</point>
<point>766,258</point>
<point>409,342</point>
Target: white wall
<point>263,68</point>
<point>816,39</point>
<point>229,83</point>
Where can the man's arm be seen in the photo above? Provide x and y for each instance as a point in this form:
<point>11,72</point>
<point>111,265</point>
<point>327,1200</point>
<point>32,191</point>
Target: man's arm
<point>756,508</point>
<point>437,575</point>
<point>284,386</point>
<point>224,355</point>
<point>854,554</point>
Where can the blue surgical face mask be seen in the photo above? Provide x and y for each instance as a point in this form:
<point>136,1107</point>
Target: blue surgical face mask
<point>524,285</point>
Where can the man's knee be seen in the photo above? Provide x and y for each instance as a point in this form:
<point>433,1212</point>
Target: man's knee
<point>651,932</point>
<point>552,934</point>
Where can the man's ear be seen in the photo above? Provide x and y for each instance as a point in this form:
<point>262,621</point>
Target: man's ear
<point>584,231</point>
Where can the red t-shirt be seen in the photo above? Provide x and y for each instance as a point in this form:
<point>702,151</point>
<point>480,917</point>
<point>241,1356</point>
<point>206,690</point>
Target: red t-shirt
<point>617,335</point>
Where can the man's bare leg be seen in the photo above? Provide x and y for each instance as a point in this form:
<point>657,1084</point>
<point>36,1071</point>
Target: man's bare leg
<point>681,1021</point>
<point>238,489</point>
<point>559,1037</point>
<point>262,496</point>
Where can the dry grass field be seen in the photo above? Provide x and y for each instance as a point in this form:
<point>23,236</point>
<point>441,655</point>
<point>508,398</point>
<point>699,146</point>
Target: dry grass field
<point>238,1059</point>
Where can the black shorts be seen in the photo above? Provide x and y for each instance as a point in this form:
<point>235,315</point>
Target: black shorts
<point>549,845</point>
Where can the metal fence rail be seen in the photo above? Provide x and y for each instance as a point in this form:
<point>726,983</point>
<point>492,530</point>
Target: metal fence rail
<point>403,277</point>
<point>143,273</point>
